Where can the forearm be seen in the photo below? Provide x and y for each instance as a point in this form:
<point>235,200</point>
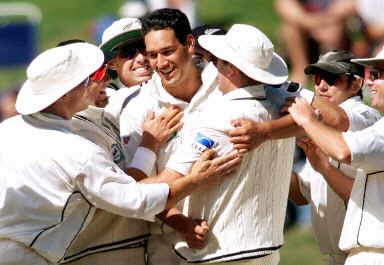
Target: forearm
<point>340,183</point>
<point>331,114</point>
<point>175,219</point>
<point>290,10</point>
<point>284,127</point>
<point>329,140</point>
<point>294,191</point>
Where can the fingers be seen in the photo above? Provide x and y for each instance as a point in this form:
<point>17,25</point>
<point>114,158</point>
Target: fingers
<point>242,148</point>
<point>150,115</point>
<point>228,163</point>
<point>175,122</point>
<point>207,155</point>
<point>169,113</point>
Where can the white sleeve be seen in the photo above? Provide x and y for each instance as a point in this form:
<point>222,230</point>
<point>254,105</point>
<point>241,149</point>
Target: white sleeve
<point>303,171</point>
<point>131,120</point>
<point>360,117</point>
<point>107,187</point>
<point>367,147</point>
<point>194,144</point>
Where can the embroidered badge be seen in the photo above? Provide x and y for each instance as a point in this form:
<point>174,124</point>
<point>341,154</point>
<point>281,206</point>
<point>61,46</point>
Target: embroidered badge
<point>202,142</point>
<point>126,139</point>
<point>117,153</point>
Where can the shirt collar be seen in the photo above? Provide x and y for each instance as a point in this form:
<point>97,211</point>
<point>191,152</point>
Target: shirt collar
<point>51,120</point>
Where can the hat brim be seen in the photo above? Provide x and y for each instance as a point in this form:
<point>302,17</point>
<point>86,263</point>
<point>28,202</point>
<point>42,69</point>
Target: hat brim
<point>324,67</point>
<point>29,102</point>
<point>123,38</point>
<point>371,62</point>
<point>275,74</point>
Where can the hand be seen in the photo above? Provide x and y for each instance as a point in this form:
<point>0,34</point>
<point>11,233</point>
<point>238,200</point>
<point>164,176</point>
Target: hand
<point>247,134</point>
<point>195,234</point>
<point>210,171</point>
<point>158,130</point>
<point>302,112</point>
<point>317,158</point>
<point>288,103</point>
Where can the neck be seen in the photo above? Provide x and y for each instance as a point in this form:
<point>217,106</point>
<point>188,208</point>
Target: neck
<point>188,88</point>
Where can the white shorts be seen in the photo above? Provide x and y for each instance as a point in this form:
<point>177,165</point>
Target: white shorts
<point>271,259</point>
<point>14,253</point>
<point>365,256</point>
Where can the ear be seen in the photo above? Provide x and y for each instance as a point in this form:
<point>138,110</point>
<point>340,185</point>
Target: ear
<point>190,42</point>
<point>357,85</point>
<point>112,64</point>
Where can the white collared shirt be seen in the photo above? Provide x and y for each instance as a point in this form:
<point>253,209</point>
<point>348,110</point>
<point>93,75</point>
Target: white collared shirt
<point>155,97</point>
<point>52,180</point>
<point>246,211</point>
<point>328,209</point>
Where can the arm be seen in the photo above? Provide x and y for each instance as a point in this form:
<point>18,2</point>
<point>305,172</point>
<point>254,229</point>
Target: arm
<point>328,139</point>
<point>294,191</point>
<point>340,183</point>
<point>331,114</point>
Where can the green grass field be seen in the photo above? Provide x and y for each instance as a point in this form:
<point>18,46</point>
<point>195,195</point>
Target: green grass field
<point>72,19</point>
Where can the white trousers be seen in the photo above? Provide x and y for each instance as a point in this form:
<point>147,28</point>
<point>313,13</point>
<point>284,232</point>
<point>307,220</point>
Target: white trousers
<point>14,253</point>
<point>160,250</point>
<point>365,256</point>
<point>272,259</point>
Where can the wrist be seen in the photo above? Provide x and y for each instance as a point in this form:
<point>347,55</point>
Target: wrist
<point>144,160</point>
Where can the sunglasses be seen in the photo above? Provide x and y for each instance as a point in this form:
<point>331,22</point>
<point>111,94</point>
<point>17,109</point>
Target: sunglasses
<point>85,82</point>
<point>331,79</point>
<point>374,73</point>
<point>130,51</point>
<point>99,74</point>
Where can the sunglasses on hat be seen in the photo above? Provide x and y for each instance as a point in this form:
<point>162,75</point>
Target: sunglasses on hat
<point>130,51</point>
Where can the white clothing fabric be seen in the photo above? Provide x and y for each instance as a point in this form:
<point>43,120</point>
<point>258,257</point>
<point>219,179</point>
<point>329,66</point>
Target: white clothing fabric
<point>371,11</point>
<point>100,128</point>
<point>271,259</point>
<point>154,97</point>
<point>364,221</point>
<point>365,256</point>
<point>14,253</point>
<point>116,101</point>
<point>327,208</point>
<point>109,238</point>
<point>245,212</point>
<point>49,196</point>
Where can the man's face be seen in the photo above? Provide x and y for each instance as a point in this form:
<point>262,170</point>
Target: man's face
<point>77,98</point>
<point>223,69</point>
<point>96,92</point>
<point>132,65</point>
<point>334,88</point>
<point>169,58</point>
<point>375,80</point>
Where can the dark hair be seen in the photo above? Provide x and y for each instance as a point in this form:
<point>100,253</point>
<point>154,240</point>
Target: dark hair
<point>167,18</point>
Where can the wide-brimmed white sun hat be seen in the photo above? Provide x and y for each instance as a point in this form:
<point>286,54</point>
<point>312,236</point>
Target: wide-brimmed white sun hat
<point>250,50</point>
<point>54,73</point>
<point>378,60</point>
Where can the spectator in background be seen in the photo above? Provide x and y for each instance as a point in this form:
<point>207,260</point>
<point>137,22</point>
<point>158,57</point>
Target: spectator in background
<point>311,27</point>
<point>371,13</point>
<point>7,102</point>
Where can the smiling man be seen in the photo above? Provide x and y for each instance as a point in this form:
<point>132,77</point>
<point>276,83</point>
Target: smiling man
<point>170,46</point>
<point>363,231</point>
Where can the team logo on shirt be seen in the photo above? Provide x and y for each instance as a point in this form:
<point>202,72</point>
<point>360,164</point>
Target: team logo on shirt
<point>117,153</point>
<point>126,139</point>
<point>202,142</point>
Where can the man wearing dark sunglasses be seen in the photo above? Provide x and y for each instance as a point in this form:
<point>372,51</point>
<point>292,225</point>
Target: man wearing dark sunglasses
<point>362,233</point>
<point>124,49</point>
<point>325,184</point>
